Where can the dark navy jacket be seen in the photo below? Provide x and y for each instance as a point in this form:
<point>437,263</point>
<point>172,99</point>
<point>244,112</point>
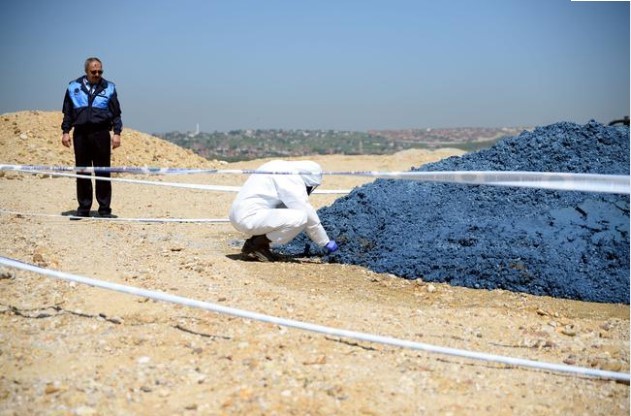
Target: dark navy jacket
<point>101,110</point>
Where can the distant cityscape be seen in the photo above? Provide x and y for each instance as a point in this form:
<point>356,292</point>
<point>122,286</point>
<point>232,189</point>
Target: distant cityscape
<point>248,144</point>
<point>443,137</point>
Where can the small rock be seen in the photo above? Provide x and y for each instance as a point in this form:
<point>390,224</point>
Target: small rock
<point>116,320</point>
<point>85,411</point>
<point>38,259</point>
<point>5,274</point>
<point>51,388</point>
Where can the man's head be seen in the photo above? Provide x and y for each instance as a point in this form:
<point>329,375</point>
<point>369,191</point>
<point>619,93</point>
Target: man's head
<point>93,70</point>
<point>311,174</point>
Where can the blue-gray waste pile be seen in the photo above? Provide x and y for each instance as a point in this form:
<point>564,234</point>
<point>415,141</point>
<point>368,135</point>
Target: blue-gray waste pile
<point>565,244</point>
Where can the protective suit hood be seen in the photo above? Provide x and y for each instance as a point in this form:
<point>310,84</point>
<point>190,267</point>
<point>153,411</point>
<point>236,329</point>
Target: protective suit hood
<point>312,175</point>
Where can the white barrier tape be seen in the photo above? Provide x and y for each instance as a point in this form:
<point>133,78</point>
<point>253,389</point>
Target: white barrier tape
<point>139,181</point>
<point>114,169</point>
<point>586,182</point>
<point>625,377</point>
<point>148,170</point>
<point>221,188</point>
<point>546,180</point>
<point>115,219</point>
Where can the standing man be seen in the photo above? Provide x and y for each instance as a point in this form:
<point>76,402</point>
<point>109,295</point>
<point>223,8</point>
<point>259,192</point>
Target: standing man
<point>273,209</point>
<point>91,107</point>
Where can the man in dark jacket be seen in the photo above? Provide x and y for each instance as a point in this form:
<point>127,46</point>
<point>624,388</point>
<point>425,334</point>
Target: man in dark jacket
<point>92,109</point>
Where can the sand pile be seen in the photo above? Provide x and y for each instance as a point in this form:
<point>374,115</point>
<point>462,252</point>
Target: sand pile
<point>34,138</point>
<point>564,244</point>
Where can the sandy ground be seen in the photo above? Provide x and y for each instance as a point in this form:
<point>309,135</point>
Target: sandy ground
<point>71,349</point>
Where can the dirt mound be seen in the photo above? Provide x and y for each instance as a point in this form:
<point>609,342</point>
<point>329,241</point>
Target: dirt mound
<point>34,138</point>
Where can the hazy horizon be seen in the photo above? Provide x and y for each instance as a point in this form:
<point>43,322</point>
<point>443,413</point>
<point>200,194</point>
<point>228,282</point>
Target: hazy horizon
<point>348,66</point>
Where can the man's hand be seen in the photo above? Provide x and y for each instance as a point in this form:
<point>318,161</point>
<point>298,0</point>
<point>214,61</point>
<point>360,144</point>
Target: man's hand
<point>116,141</point>
<point>65,139</point>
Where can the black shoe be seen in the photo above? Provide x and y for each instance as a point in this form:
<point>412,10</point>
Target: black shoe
<point>107,215</point>
<point>79,214</point>
<point>257,248</point>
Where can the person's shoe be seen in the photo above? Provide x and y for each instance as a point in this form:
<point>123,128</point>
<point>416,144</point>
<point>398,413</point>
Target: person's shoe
<point>257,247</point>
<point>79,214</point>
<point>106,215</point>
<point>105,212</point>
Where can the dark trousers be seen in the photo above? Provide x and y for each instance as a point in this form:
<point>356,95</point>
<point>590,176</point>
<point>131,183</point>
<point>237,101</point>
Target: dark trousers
<point>93,148</point>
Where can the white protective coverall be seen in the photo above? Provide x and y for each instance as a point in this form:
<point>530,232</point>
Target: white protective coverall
<point>277,205</point>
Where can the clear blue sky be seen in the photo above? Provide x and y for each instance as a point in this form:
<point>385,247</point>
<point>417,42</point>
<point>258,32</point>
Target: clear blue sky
<point>348,65</point>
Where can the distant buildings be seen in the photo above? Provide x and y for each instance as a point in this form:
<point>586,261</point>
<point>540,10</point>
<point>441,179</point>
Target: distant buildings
<point>250,144</point>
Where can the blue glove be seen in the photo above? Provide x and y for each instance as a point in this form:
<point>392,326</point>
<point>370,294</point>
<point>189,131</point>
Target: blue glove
<point>331,247</point>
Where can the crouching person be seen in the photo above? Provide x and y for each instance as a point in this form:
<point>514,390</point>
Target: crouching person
<point>274,209</point>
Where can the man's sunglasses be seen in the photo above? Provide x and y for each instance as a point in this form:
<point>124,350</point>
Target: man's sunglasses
<point>96,72</point>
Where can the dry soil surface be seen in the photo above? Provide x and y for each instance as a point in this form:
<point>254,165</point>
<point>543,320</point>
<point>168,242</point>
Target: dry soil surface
<point>71,349</point>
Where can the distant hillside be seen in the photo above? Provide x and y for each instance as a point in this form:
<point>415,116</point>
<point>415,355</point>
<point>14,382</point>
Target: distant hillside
<point>466,138</point>
<point>239,145</point>
<point>34,137</point>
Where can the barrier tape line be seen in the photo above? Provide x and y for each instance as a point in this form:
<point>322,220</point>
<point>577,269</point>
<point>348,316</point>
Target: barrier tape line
<point>147,170</point>
<point>220,188</point>
<point>343,333</point>
<point>546,180</point>
<point>115,219</point>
